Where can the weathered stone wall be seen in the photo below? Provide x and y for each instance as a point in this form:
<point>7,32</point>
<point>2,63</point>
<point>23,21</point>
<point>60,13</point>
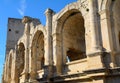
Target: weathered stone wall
<point>14,32</point>
<point>80,44</point>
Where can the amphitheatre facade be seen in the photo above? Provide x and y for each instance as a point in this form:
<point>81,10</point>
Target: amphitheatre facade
<point>79,44</point>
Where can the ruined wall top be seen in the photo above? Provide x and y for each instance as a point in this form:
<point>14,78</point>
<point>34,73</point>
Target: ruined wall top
<point>14,32</point>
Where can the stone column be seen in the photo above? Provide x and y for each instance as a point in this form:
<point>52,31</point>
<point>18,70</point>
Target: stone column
<point>26,20</point>
<point>106,28</point>
<point>95,36</point>
<point>48,41</point>
<point>94,56</point>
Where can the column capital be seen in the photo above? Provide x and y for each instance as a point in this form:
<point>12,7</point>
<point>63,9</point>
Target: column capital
<point>49,11</point>
<point>26,19</point>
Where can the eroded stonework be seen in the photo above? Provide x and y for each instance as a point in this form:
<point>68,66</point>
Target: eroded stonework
<point>80,44</point>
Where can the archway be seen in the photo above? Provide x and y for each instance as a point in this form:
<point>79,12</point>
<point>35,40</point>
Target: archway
<point>37,52</point>
<point>73,36</point>
<point>69,39</point>
<point>21,59</point>
<point>112,7</point>
<point>115,23</point>
<point>116,16</point>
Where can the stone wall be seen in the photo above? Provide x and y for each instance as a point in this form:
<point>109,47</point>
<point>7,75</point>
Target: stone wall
<point>80,44</point>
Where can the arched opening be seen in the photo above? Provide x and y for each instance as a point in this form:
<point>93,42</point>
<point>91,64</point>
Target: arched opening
<point>21,58</point>
<point>37,54</point>
<point>115,23</point>
<point>73,36</point>
<point>116,16</point>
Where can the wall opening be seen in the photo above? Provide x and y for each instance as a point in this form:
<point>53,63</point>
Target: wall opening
<point>115,26</point>
<point>115,21</point>
<point>21,59</point>
<point>71,55</point>
<point>73,36</point>
<point>38,51</point>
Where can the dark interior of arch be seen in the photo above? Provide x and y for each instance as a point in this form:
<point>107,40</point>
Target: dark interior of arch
<point>74,36</point>
<point>116,15</point>
<point>38,50</point>
<point>115,22</point>
<point>21,59</point>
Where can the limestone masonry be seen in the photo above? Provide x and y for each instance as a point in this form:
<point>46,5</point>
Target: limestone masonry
<point>80,44</point>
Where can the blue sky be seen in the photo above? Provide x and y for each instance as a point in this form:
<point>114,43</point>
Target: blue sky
<point>20,8</point>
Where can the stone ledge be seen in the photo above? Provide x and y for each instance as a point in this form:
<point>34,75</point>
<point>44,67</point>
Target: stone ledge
<point>97,53</point>
<point>77,61</point>
<point>103,72</point>
<point>88,74</point>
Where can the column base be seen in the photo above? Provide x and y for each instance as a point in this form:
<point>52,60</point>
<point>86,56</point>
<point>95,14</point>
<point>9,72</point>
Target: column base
<point>95,61</point>
<point>100,60</point>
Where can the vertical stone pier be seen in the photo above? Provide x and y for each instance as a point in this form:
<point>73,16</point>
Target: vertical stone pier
<point>25,74</point>
<point>96,49</point>
<point>48,42</point>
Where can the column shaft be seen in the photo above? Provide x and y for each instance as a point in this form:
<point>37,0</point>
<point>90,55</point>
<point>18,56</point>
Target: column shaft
<point>95,36</point>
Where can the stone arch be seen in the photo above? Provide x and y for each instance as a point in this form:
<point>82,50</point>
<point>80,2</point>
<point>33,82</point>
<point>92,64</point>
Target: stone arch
<point>115,24</point>
<point>40,28</point>
<point>74,7</point>
<point>21,40</point>
<point>37,51</point>
<point>73,20</point>
<point>115,20</point>
<point>20,60</point>
<point>73,35</point>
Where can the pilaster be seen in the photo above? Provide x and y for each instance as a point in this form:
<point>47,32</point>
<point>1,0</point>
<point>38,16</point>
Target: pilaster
<point>95,36</point>
<point>48,38</point>
<point>94,56</point>
<point>26,20</point>
<point>107,35</point>
<point>48,41</point>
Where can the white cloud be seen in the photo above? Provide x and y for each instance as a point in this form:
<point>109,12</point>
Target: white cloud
<point>22,8</point>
